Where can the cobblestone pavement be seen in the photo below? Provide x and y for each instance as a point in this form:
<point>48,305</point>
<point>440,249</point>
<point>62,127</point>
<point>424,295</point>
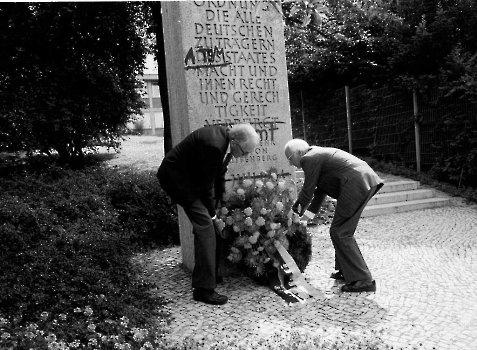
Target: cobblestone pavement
<point>424,263</point>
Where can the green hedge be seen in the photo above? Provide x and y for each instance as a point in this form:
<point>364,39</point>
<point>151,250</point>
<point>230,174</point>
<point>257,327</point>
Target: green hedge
<point>67,239</point>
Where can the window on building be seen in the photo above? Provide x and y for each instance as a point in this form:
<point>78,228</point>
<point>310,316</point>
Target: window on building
<point>155,90</point>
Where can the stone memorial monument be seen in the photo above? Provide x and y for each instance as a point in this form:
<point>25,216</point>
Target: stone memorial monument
<point>226,64</point>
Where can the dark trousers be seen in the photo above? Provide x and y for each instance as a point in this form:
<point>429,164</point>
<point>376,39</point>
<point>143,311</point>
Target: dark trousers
<point>348,257</point>
<point>205,246</point>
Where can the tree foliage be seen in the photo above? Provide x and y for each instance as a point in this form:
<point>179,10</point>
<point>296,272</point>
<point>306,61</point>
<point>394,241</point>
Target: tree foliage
<point>68,75</point>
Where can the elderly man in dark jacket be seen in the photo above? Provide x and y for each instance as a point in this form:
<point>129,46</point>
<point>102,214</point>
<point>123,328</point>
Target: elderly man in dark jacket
<point>352,182</point>
<point>192,173</point>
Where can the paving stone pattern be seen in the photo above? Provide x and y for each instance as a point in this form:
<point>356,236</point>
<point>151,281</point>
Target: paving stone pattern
<point>424,263</point>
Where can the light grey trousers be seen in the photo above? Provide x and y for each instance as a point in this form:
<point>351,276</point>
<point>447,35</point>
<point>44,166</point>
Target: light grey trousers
<point>348,257</point>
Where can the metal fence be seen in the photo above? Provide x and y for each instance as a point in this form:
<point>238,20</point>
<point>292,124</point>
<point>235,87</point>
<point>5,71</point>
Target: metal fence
<point>399,127</point>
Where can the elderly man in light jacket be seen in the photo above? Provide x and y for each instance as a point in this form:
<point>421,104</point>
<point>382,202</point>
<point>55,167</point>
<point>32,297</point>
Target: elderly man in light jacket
<point>352,182</point>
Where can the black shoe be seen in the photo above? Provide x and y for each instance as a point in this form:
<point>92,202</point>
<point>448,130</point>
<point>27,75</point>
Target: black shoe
<point>209,296</point>
<point>359,286</point>
<point>219,279</point>
<point>337,275</point>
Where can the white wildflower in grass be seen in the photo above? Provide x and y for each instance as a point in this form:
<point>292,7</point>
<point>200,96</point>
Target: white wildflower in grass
<point>50,338</point>
<point>5,335</point>
<point>3,321</point>
<point>93,341</point>
<point>30,335</point>
<point>62,317</point>
<point>91,327</point>
<point>44,315</point>
<point>124,321</point>
<point>77,310</point>
<point>88,311</point>
<point>75,344</point>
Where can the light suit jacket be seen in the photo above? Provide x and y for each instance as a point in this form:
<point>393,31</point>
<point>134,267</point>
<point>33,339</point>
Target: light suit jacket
<point>338,174</point>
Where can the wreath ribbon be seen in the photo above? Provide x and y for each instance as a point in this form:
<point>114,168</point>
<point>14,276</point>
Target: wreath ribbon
<point>291,285</point>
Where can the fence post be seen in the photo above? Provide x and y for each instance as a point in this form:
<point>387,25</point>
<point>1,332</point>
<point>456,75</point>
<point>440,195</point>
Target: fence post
<point>348,118</point>
<point>303,114</point>
<point>416,131</point>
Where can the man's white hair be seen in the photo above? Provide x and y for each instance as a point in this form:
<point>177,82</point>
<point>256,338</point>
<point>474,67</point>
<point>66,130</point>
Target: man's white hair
<point>245,134</point>
<point>296,146</point>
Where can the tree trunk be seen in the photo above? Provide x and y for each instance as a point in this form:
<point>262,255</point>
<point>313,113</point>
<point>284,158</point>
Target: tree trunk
<point>161,65</point>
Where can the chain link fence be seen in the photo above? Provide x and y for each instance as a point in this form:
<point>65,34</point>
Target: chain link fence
<point>403,128</point>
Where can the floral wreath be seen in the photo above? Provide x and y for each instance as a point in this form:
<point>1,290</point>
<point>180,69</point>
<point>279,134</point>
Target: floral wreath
<point>254,216</point>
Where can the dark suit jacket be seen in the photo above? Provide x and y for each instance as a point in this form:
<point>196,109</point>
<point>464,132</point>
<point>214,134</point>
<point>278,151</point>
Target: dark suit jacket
<point>338,174</point>
<point>189,171</point>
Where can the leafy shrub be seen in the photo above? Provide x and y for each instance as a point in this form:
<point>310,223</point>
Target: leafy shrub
<point>67,239</point>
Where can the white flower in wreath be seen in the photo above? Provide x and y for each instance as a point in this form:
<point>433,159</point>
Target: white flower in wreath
<point>256,234</point>
<point>240,191</point>
<point>234,250</point>
<point>229,221</point>
<point>296,218</point>
<point>247,183</point>
<point>274,176</point>
<point>247,246</point>
<point>220,224</point>
<point>270,185</point>
<point>260,248</point>
<point>248,211</point>
<point>224,211</point>
<point>289,222</point>
<point>276,243</point>
<point>273,225</point>
<point>290,214</point>
<point>236,228</point>
<point>260,221</point>
<point>259,183</point>
<point>248,221</point>
<point>263,211</point>
<point>252,239</point>
<point>281,185</point>
<point>279,206</point>
<point>271,233</point>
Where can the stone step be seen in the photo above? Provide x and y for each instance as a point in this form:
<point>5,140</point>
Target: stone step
<point>400,207</point>
<point>402,196</point>
<point>399,186</point>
